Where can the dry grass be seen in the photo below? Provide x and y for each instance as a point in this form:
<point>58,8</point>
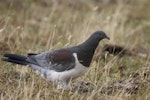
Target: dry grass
<point>35,26</point>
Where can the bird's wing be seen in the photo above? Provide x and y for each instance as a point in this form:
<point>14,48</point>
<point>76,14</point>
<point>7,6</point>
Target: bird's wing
<point>58,60</point>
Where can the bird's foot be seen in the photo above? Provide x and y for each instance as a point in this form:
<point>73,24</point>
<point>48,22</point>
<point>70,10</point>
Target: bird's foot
<point>64,86</point>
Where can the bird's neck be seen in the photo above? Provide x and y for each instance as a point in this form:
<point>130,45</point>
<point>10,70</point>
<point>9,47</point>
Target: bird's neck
<point>87,50</point>
<point>90,45</point>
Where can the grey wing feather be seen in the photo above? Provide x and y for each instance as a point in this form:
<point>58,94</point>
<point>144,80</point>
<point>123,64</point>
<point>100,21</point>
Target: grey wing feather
<point>39,59</point>
<point>59,60</point>
<point>62,67</point>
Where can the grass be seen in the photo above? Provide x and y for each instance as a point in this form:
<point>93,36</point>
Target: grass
<point>35,26</point>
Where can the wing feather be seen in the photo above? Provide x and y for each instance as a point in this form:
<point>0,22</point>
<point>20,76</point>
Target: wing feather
<point>58,60</point>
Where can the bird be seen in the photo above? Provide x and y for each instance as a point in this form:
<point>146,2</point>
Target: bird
<point>60,66</point>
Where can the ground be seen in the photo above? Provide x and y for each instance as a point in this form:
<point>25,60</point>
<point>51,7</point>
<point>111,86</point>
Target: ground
<point>33,26</point>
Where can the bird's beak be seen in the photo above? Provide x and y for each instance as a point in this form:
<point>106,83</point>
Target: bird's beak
<point>107,38</point>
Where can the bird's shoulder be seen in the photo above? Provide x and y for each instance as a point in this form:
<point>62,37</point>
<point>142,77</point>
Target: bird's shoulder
<point>60,56</point>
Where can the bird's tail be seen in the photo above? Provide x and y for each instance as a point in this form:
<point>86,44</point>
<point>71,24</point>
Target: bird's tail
<point>14,58</point>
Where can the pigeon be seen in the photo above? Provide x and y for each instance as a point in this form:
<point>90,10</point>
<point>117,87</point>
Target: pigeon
<point>60,66</point>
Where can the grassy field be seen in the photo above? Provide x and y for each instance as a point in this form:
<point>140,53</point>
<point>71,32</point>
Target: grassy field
<point>33,26</point>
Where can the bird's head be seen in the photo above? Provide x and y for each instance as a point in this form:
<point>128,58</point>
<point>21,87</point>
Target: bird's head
<point>99,35</point>
<point>93,41</point>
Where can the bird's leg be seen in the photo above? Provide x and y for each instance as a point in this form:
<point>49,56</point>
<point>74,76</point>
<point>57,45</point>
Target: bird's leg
<point>69,85</point>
